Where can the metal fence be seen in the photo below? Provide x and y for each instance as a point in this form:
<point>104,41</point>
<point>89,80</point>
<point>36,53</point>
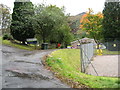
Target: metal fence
<point>87,52</point>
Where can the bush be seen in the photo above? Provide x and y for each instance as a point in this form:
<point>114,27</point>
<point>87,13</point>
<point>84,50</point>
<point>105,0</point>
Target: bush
<point>7,37</point>
<point>62,47</point>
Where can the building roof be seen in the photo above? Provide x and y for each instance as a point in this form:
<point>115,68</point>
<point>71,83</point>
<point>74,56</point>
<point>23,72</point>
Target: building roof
<point>84,40</point>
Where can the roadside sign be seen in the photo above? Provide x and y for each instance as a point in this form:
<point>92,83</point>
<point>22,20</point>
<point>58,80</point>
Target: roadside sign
<point>31,39</point>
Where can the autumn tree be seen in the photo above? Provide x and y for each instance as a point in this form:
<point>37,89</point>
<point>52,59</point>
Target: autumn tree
<point>92,24</point>
<point>21,26</point>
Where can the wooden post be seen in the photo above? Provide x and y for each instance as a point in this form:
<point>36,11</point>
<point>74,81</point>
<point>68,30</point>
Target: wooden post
<point>81,58</point>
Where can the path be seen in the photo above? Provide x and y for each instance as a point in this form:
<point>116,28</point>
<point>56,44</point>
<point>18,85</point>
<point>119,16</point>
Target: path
<point>106,65</point>
<point>24,69</point>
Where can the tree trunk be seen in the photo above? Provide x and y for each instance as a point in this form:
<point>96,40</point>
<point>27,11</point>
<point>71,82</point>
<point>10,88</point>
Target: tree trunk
<point>44,40</point>
<point>98,46</point>
<point>23,42</point>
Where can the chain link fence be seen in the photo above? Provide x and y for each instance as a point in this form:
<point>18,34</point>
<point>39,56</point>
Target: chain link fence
<point>87,52</point>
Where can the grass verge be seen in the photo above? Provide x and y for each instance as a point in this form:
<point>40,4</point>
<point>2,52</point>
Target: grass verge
<point>66,65</point>
<point>17,45</point>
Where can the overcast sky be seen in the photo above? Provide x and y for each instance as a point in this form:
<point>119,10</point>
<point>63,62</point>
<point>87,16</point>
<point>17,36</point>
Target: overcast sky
<point>73,7</point>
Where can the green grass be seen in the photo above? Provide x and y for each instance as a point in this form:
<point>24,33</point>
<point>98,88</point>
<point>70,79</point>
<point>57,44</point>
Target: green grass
<point>66,62</point>
<point>17,45</point>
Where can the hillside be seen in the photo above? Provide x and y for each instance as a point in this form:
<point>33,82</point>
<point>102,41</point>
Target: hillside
<point>74,22</point>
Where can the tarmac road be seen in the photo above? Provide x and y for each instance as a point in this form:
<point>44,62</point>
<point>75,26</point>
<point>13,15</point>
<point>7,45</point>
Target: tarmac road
<point>106,65</point>
<point>24,69</point>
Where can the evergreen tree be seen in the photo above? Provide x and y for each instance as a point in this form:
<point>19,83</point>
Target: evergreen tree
<point>21,26</point>
<point>111,21</point>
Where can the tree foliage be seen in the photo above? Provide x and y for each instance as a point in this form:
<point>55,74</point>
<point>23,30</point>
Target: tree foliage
<point>62,35</point>
<point>5,18</point>
<point>111,21</point>
<point>51,24</point>
<point>92,24</point>
<point>21,26</point>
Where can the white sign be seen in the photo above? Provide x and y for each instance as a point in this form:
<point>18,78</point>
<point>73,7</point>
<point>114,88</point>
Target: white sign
<point>31,39</point>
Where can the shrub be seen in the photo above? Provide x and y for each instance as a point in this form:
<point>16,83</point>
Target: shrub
<point>62,47</point>
<point>7,37</point>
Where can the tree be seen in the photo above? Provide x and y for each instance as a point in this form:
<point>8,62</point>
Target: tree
<point>50,23</point>
<point>5,18</point>
<point>92,24</point>
<point>111,21</point>
<point>62,35</point>
<point>22,25</point>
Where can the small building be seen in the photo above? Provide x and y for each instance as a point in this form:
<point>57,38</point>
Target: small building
<point>76,44</point>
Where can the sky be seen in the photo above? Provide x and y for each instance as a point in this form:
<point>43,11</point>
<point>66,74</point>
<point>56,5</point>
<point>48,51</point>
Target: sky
<point>73,7</point>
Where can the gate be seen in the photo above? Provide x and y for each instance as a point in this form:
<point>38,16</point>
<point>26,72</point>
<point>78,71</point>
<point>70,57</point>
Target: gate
<point>87,52</point>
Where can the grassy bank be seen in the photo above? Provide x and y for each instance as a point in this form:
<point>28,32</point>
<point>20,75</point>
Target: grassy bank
<point>66,64</point>
<point>17,44</point>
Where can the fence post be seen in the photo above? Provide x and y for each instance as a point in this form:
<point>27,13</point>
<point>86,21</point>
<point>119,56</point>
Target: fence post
<point>81,58</point>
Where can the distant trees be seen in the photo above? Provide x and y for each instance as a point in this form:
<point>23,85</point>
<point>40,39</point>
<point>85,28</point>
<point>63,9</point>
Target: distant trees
<point>111,21</point>
<point>21,26</point>
<point>51,25</point>
<point>92,24</point>
<point>46,23</point>
<point>5,18</point>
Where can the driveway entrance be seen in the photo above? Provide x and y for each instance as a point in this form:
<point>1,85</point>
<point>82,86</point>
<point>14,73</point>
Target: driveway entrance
<point>106,65</point>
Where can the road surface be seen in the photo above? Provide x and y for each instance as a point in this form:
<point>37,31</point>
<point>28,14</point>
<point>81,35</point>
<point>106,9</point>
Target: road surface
<point>106,65</point>
<point>24,69</point>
